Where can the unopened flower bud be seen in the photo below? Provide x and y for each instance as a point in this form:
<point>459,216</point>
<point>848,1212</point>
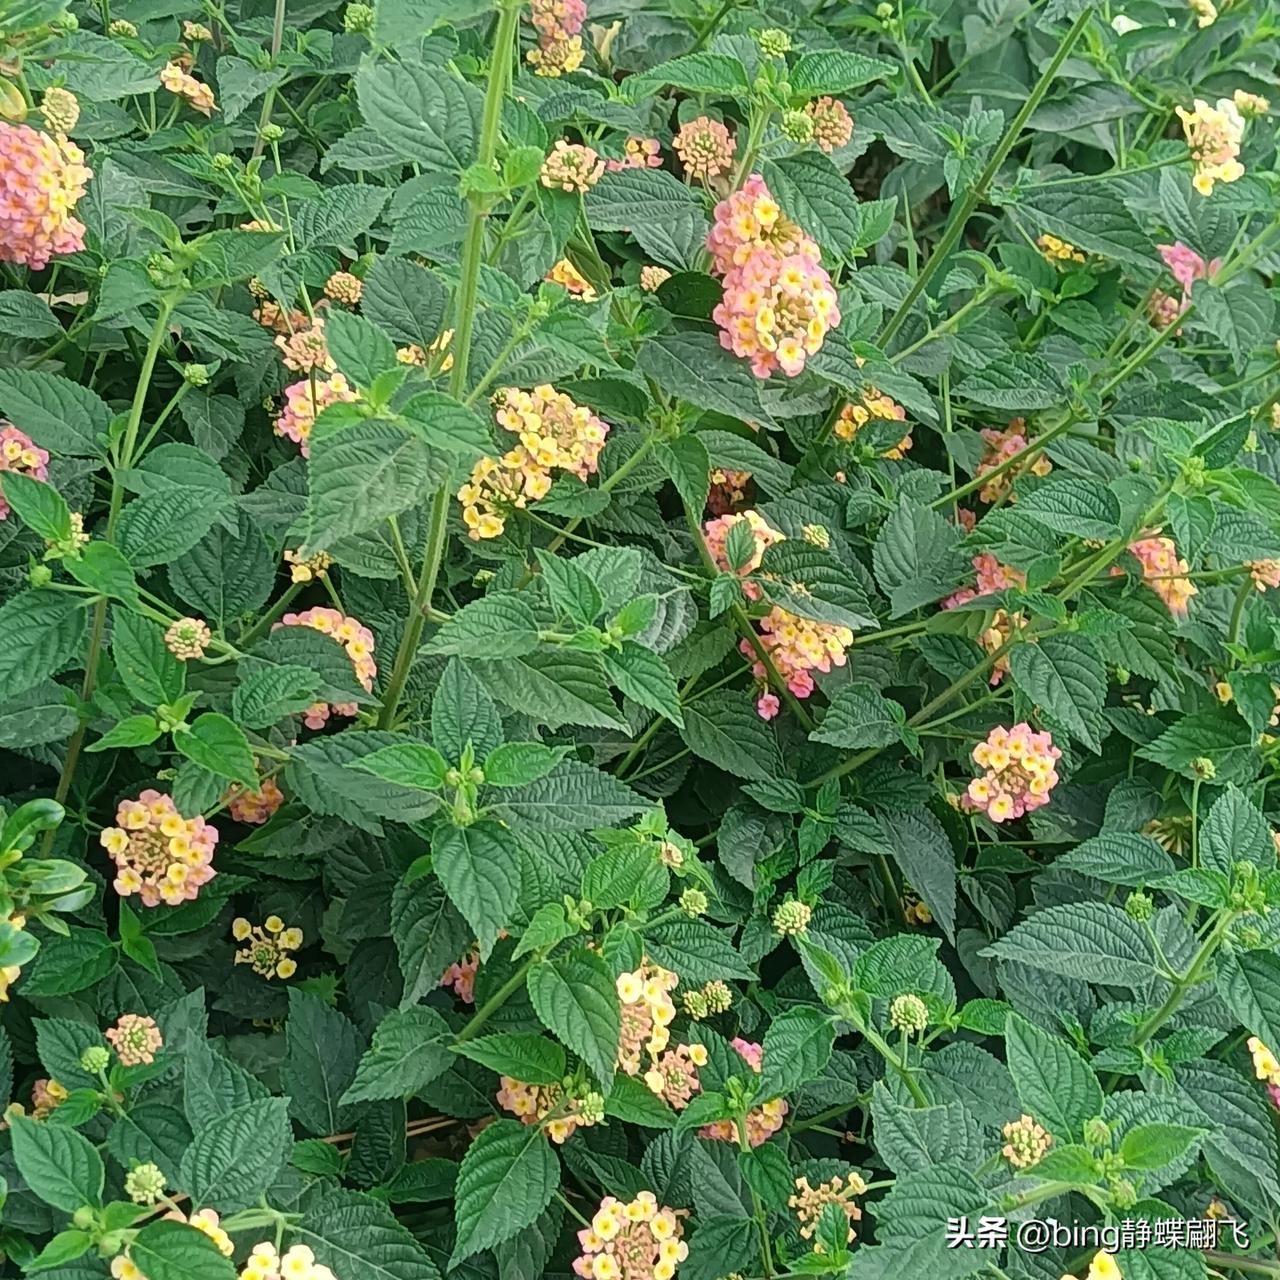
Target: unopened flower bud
<point>1139,906</point>
<point>693,902</point>
<point>187,639</point>
<point>271,132</point>
<point>196,33</point>
<point>908,1013</point>
<point>797,126</point>
<point>122,28</point>
<point>773,42</point>
<point>97,1057</point>
<point>61,110</point>
<point>792,917</point>
<point>1097,1133</point>
<point>358,19</point>
<point>197,375</point>
<point>144,1184</point>
<point>40,576</point>
<point>1204,768</point>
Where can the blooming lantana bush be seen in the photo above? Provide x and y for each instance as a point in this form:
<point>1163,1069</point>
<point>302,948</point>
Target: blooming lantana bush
<point>638,642</point>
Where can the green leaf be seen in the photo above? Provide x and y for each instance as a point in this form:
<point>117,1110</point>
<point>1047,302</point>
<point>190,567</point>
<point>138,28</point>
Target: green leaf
<point>321,1053</point>
<point>427,118</point>
<point>1073,505</point>
<point>408,764</point>
<point>444,423</point>
<point>267,694</point>
<point>695,73</point>
<point>60,1165</point>
<point>554,687</point>
<point>479,867</point>
<point>860,716</point>
<point>724,728</point>
<point>817,196</point>
<point>835,71</point>
<point>74,964</point>
<point>507,1179</point>
<point>462,711</point>
<point>334,218</point>
<point>429,934</point>
<point>149,671</point>
<point>1090,940</point>
<point>697,950</point>
<point>1093,216</point>
<point>360,474</point>
<point>1066,678</point>
<point>1235,831</point>
<point>103,569</point>
<point>1119,857</point>
<point>218,744</point>
<point>227,573</point>
<point>360,349</point>
<point>694,367</point>
<point>1218,735</point>
<point>404,299</point>
<point>233,1159</point>
<point>1152,1146</point>
<point>575,999</point>
<point>644,677</point>
<point>38,505</point>
<point>571,591</point>
<point>55,412</point>
<point>1015,381</point>
<point>571,797</point>
<point>521,1055</point>
<point>915,558</point>
<point>500,625</point>
<point>688,467</point>
<point>810,582</point>
<point>1054,1084</point>
<point>909,1139</point>
<point>633,1102</point>
<point>924,853</point>
<point>355,1235</point>
<point>518,763</point>
<point>167,1250</point>
<point>409,1050</point>
<point>163,524</point>
<point>42,630</point>
<point>1241,315</point>
<point>1249,982</point>
<point>797,1046</point>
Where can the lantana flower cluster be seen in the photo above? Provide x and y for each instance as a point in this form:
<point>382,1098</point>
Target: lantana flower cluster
<point>1213,134</point>
<point>872,405</point>
<point>533,1103</point>
<point>159,855</point>
<point>181,82</point>
<point>1164,572</point>
<point>1187,266</point>
<point>765,1120</point>
<point>797,647</point>
<point>41,178</point>
<point>1059,252</point>
<point>568,277</point>
<point>558,24</point>
<point>728,490</point>
<point>254,807</point>
<point>716,534</point>
<point>206,1221</point>
<point>296,1263</point>
<point>674,1076</point>
<point>1264,573</point>
<point>635,1240</point>
<point>18,452</point>
<point>647,1014</point>
<point>554,433</point>
<point>992,576</point>
<point>266,946</point>
<point>705,148</point>
<point>1001,446</point>
<point>778,302</point>
<point>1025,1142</point>
<point>305,400</point>
<point>46,1097</point>
<point>461,976</point>
<point>436,352</point>
<point>305,349</point>
<point>832,123</point>
<point>136,1039</point>
<point>809,1201</point>
<point>1019,772</point>
<point>1266,1067</point>
<point>637,153</point>
<point>572,166</point>
<point>358,642</point>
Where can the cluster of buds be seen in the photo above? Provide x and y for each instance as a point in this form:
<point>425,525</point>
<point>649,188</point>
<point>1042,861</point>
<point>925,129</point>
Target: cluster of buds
<point>1213,135</point>
<point>558,24</point>
<point>1025,1142</point>
<point>765,1120</point>
<point>647,1014</point>
<point>572,166</point>
<point>553,433</point>
<point>915,910</point>
<point>792,917</point>
<point>809,1202</point>
<point>652,277</point>
<point>305,349</point>
<point>1020,773</point>
<point>159,855</point>
<point>181,82</point>
<point>267,946</point>
<point>1187,266</point>
<point>533,1103</point>
<point>568,277</point>
<point>254,807</point>
<point>19,454</point>
<point>990,577</point>
<point>674,1074</point>
<point>60,109</point>
<point>187,639</point>
<point>908,1014</point>
<point>345,288</point>
<point>707,1001</point>
<point>196,33</point>
<point>872,406</point>
<point>705,148</point>
<point>307,568</point>
<point>1164,572</point>
<point>1059,252</point>
<point>136,1039</point>
<point>41,178</point>
<point>144,1183</point>
<point>832,123</point>
<point>305,400</point>
<point>1001,447</point>
<point>355,638</point>
<point>636,1240</point>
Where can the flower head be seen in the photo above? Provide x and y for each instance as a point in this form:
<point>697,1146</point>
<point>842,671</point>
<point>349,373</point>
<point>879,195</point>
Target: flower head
<point>872,406</point>
<point>1205,10</point>
<point>638,1240</point>
<point>1187,266</point>
<point>533,1103</point>
<point>832,123</point>
<point>144,1183</point>
<point>1213,137</point>
<point>809,1202</point>
<point>764,535</point>
<point>647,1013</point>
<point>267,946</point>
<point>461,976</point>
<point>765,1120</point>
<point>712,998</point>
<point>728,490</point>
<point>652,276</point>
<point>909,1014</point>
<point>159,855</point>
<point>558,17</point>
<point>46,1097</point>
<point>705,147</point>
<point>182,83</point>
<point>18,452</point>
<point>254,807</point>
<point>354,637</point>
<point>305,401</point>
<point>798,647</point>
<point>305,350</point>
<point>1164,572</point>
<point>750,220</point>
<point>1058,251</point>
<point>638,153</point>
<point>345,288</point>
<point>41,178</point>
<point>187,638</point>
<point>1001,447</point>
<point>674,1075</point>
<point>1025,1142</point>
<point>565,274</point>
<point>1265,1064</point>
<point>1265,573</point>
<point>1250,104</point>
<point>136,1039</point>
<point>572,166</point>
<point>792,917</point>
<point>306,568</point>
<point>557,56</point>
<point>1019,772</point>
<point>60,109</point>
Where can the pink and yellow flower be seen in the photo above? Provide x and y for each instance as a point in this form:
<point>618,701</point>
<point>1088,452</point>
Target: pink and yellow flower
<point>705,147</point>
<point>647,1014</point>
<point>1213,135</point>
<point>765,1120</point>
<point>764,535</point>
<point>182,83</point>
<point>19,454</point>
<point>1002,445</point>
<point>305,400</point>
<point>1019,773</point>
<point>832,123</point>
<point>136,1039</point>
<point>1163,572</point>
<point>572,167</point>
<point>41,178</point>
<point>159,855</point>
<point>638,1240</point>
<point>355,638</point>
<point>637,153</point>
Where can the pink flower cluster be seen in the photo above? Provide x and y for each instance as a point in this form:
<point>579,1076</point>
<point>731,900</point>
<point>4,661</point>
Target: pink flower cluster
<point>181,82</point>
<point>1019,764</point>
<point>532,1103</point>
<point>159,854</point>
<point>461,976</point>
<point>354,637</point>
<point>305,400</point>
<point>832,123</point>
<point>1187,266</point>
<point>135,1039</point>
<point>41,178</point>
<point>19,453</point>
<point>797,646</point>
<point>558,24</point>
<point>647,1014</point>
<point>637,153</point>
<point>871,405</point>
<point>1163,572</point>
<point>637,1240</point>
<point>254,807</point>
<point>674,1076</point>
<point>992,576</point>
<point>1001,446</point>
<point>765,1120</point>
<point>716,533</point>
<point>705,147</point>
<point>305,349</point>
<point>778,302</point>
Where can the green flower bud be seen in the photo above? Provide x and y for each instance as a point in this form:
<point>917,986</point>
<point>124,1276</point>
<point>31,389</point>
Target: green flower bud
<point>773,42</point>
<point>83,1218</point>
<point>196,374</point>
<point>1123,1194</point>
<point>1139,906</point>
<point>97,1057</point>
<point>41,575</point>
<point>224,161</point>
<point>591,1108</point>
<point>693,902</point>
<point>144,1184</point>
<point>358,19</point>
<point>122,28</point>
<point>476,776</point>
<point>792,917</point>
<point>908,1013</point>
<point>271,132</point>
<point>1097,1133</point>
<point>453,778</point>
<point>1204,768</point>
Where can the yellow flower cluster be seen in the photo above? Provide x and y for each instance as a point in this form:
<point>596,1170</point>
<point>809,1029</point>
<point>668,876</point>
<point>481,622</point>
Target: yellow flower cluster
<point>1058,251</point>
<point>565,274</point>
<point>297,1263</point>
<point>872,405</point>
<point>554,433</point>
<point>1213,137</point>
<point>638,1240</point>
<point>809,1202</point>
<point>647,1014</point>
<point>1265,1064</point>
<point>181,82</point>
<point>268,946</point>
<point>416,355</point>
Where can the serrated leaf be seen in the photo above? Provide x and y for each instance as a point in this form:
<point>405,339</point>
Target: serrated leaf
<point>409,1050</point>
<point>235,1158</point>
<point>1054,1084</point>
<point>571,797</point>
<point>60,1165</point>
<point>575,999</point>
<point>1090,940</point>
<point>522,1055</point>
<point>724,729</point>
<point>479,867</point>
<point>1066,678</point>
<point>860,716</point>
<point>218,744</point>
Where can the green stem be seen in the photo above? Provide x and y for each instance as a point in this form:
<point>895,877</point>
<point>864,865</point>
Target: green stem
<point>494,1003</point>
<point>1237,613</point>
<point>277,39</point>
<point>977,193</point>
<point>1185,983</point>
<point>263,624</point>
